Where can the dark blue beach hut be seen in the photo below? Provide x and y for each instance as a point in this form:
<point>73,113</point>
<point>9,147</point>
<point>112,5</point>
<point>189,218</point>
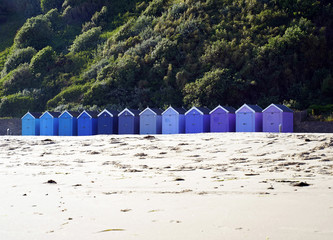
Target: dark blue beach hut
<point>30,124</point>
<point>49,124</point>
<point>223,119</point>
<point>68,123</point>
<point>87,123</point>
<point>197,120</point>
<point>173,121</point>
<point>128,121</point>
<point>277,118</point>
<point>249,118</point>
<point>108,122</point>
<point>151,121</point>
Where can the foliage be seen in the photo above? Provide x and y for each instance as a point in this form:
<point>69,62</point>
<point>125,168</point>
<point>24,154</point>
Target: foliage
<point>134,53</point>
<point>18,56</point>
<point>36,32</point>
<point>86,40</point>
<point>43,61</point>
<point>8,105</point>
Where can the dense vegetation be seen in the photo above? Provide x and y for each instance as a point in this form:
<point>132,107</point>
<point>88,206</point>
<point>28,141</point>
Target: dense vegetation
<point>74,54</point>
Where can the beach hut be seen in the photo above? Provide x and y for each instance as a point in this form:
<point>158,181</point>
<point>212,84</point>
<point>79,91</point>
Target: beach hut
<point>197,120</point>
<point>108,122</point>
<point>87,123</point>
<point>128,121</point>
<point>249,118</point>
<point>223,119</point>
<point>68,123</point>
<point>173,120</point>
<point>277,118</point>
<point>30,124</point>
<point>49,124</point>
<point>151,121</point>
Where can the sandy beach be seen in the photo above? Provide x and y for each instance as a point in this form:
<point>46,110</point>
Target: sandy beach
<point>198,186</point>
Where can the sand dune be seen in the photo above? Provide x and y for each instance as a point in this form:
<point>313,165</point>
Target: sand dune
<point>199,186</point>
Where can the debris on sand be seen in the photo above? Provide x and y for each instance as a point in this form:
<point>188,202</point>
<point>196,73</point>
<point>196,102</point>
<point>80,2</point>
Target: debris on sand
<point>51,182</point>
<point>301,184</point>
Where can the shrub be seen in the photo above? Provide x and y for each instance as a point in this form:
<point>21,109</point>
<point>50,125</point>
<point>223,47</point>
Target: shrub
<point>36,32</point>
<point>18,79</point>
<point>43,61</point>
<point>86,40</point>
<point>19,56</point>
<point>47,5</point>
<point>16,105</point>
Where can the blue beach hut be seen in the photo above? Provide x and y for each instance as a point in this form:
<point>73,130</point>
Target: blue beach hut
<point>108,122</point>
<point>223,119</point>
<point>151,121</point>
<point>249,118</point>
<point>277,118</point>
<point>173,121</point>
<point>87,123</point>
<point>68,123</point>
<point>30,124</point>
<point>197,120</point>
<point>128,121</point>
<point>49,124</point>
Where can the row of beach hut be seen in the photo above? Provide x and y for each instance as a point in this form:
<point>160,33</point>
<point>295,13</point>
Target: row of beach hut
<point>248,118</point>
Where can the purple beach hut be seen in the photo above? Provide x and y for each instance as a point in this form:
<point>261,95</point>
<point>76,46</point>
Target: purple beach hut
<point>277,118</point>
<point>223,119</point>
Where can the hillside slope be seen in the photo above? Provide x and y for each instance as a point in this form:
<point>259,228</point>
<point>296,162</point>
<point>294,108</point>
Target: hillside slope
<point>77,54</point>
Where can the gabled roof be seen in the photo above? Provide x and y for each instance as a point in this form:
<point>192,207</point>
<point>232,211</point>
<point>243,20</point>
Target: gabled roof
<point>281,107</point>
<point>111,112</point>
<point>178,110</point>
<point>157,111</point>
<point>34,114</point>
<point>71,113</point>
<point>253,108</point>
<point>133,112</point>
<point>201,110</point>
<point>92,114</point>
<point>53,114</point>
<point>227,109</point>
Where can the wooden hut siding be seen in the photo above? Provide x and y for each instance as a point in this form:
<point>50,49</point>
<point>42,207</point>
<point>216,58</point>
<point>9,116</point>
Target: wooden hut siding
<point>49,124</point>
<point>31,124</point>
<point>249,118</point>
<point>223,119</point>
<point>197,120</point>
<point>151,121</point>
<point>129,121</point>
<point>68,123</point>
<point>108,122</point>
<point>87,123</point>
<point>276,115</point>
<point>173,121</point>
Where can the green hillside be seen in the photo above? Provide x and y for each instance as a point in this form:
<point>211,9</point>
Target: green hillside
<point>75,54</point>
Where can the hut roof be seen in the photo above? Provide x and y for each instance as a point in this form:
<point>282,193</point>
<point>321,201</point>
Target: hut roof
<point>202,110</point>
<point>110,111</point>
<point>134,112</point>
<point>283,108</point>
<point>254,108</point>
<point>178,110</point>
<point>226,108</point>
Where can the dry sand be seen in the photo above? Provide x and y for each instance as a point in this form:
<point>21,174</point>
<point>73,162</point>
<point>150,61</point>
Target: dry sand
<point>199,186</point>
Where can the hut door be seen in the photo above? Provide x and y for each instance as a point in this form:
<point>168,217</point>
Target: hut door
<point>85,124</point>
<point>196,121</point>
<point>273,120</point>
<point>28,124</point>
<point>245,123</point>
<point>169,123</point>
<point>219,122</point>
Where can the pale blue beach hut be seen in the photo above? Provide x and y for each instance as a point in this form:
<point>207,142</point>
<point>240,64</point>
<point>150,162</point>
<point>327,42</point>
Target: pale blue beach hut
<point>249,118</point>
<point>31,124</point>
<point>173,121</point>
<point>151,121</point>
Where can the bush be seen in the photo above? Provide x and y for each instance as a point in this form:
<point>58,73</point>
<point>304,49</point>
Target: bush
<point>16,105</point>
<point>47,5</point>
<point>43,61</point>
<point>36,32</point>
<point>19,56</point>
<point>18,79</point>
<point>86,40</point>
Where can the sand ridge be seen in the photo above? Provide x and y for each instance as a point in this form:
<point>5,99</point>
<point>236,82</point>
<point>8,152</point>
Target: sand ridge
<point>196,186</point>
